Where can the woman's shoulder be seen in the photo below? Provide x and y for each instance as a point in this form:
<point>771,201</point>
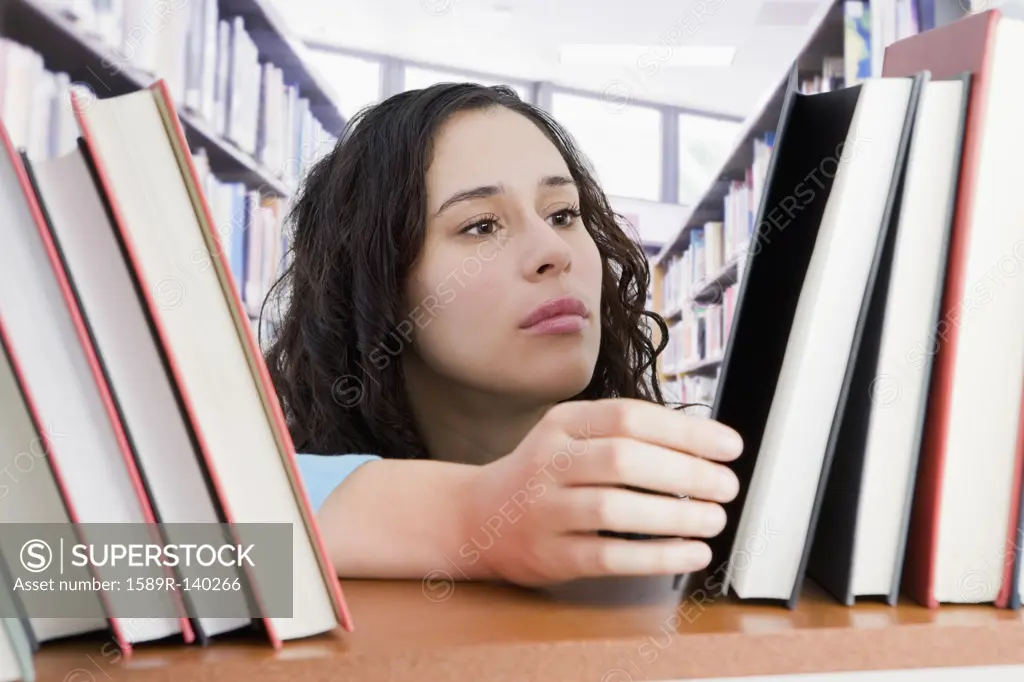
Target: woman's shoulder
<point>321,474</point>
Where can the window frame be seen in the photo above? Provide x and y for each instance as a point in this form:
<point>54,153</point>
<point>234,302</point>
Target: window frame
<point>540,94</point>
<point>657,117</point>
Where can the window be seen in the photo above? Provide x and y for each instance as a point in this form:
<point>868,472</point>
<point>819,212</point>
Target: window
<point>624,144</point>
<point>356,81</point>
<point>703,145</point>
<point>417,78</point>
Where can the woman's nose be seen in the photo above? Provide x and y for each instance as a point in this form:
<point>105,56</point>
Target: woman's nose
<point>548,254</point>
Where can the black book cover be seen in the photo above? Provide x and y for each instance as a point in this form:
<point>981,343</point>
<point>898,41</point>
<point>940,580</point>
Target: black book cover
<point>809,143</point>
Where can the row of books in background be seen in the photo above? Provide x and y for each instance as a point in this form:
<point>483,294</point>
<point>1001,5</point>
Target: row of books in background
<point>34,103</point>
<point>211,67</point>
<point>251,228</point>
<point>718,245</point>
<point>699,335</point>
<point>869,26</point>
<point>700,284</point>
<point>697,390</point>
<point>831,77</point>
<point>35,107</point>
<point>838,71</point>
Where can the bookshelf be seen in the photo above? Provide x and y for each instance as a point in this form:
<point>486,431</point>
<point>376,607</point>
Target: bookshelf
<point>279,46</point>
<point>66,47</point>
<point>253,161</point>
<point>410,631</point>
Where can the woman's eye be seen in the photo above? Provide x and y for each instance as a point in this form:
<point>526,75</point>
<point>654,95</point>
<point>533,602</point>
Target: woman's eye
<point>563,218</point>
<point>483,227</point>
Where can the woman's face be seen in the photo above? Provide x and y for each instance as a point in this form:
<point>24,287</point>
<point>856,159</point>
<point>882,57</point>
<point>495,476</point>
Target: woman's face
<point>506,294</point>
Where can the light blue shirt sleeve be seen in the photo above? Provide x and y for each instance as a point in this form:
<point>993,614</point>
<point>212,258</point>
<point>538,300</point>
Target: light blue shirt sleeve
<point>321,474</point>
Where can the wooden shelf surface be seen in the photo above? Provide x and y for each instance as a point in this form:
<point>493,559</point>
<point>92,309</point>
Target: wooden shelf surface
<point>406,630</point>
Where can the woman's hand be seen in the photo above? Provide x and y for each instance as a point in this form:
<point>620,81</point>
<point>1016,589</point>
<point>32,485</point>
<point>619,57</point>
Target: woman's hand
<point>532,516</point>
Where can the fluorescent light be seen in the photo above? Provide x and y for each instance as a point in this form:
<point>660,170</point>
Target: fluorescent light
<point>634,55</point>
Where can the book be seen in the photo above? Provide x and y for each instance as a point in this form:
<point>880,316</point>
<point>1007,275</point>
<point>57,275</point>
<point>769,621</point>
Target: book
<point>29,492</point>
<point>78,218</point>
<point>812,262</point>
<point>861,538</point>
<point>146,171</point>
<point>965,518</point>
<point>44,327</point>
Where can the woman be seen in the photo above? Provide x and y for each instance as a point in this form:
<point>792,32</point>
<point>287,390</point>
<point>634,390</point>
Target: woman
<point>465,363</point>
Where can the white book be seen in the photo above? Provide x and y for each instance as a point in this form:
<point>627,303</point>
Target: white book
<point>210,60</point>
<point>48,337</point>
<point>28,488</point>
<point>133,363</point>
<point>899,388</point>
<point>140,41</point>
<point>137,145</point>
<point>222,80</point>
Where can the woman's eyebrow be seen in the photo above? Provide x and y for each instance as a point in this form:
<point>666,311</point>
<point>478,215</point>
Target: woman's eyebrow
<point>481,192</point>
<point>556,181</point>
<point>485,191</point>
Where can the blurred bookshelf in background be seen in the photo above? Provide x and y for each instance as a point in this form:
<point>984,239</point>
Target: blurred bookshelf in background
<point>255,114</point>
<point>698,272</point>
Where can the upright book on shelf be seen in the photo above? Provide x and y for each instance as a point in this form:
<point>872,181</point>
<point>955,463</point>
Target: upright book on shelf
<point>965,519</point>
<point>861,535</point>
<point>812,264</point>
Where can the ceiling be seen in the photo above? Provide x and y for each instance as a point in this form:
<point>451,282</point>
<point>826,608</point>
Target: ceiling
<point>522,39</point>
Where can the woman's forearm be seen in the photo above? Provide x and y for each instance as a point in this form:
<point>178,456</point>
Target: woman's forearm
<point>402,519</point>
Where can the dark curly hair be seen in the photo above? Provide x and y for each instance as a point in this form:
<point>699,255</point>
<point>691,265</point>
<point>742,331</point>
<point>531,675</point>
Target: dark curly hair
<point>357,226</point>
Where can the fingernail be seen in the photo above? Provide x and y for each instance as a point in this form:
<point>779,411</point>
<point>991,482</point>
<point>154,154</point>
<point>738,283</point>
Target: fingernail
<point>731,443</point>
<point>714,520</point>
<point>728,483</point>
<point>698,557</point>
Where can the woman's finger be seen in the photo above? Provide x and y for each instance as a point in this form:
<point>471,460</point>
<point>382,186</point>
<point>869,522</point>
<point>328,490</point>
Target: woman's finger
<point>588,556</point>
<point>623,461</point>
<point>590,509</point>
<point>584,421</point>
